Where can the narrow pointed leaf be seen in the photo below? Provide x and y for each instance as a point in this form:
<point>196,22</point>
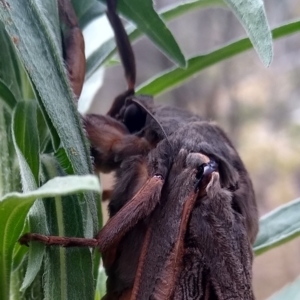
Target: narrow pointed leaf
<point>9,71</point>
<point>14,208</point>
<point>143,15</point>
<point>35,25</point>
<point>26,141</point>
<point>278,227</point>
<point>55,140</point>
<point>13,214</point>
<point>251,14</point>
<point>68,271</point>
<point>6,96</point>
<point>174,76</point>
<point>6,155</point>
<point>146,18</point>
<point>59,186</point>
<point>43,131</point>
<point>36,252</point>
<point>108,49</point>
<point>27,147</point>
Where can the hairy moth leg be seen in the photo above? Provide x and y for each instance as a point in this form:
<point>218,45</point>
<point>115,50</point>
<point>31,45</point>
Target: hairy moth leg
<point>139,207</point>
<point>73,46</point>
<point>111,142</point>
<point>165,286</point>
<point>51,240</point>
<point>129,215</point>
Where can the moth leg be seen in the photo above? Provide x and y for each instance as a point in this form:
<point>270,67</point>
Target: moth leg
<point>139,207</point>
<point>73,46</point>
<point>129,215</point>
<point>57,240</point>
<point>111,142</point>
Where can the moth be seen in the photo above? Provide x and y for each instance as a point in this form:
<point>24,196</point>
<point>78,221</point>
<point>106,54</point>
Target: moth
<point>183,214</point>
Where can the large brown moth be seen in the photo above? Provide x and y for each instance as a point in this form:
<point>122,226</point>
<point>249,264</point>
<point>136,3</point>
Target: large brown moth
<point>183,215</point>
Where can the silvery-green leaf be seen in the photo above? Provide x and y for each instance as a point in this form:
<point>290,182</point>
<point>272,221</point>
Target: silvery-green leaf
<point>251,14</point>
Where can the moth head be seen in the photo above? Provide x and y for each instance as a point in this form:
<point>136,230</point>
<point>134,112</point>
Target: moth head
<point>204,168</point>
<point>208,164</point>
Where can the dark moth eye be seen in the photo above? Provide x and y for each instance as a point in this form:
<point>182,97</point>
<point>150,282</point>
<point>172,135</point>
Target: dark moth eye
<point>199,176</point>
<point>134,118</point>
<point>200,171</point>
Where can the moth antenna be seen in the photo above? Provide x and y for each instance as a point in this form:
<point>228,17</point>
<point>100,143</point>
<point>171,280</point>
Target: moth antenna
<point>153,117</point>
<point>123,44</point>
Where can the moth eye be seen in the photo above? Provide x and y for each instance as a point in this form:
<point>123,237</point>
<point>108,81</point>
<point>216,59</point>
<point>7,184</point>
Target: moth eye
<point>200,171</point>
<point>199,176</point>
<point>134,118</point>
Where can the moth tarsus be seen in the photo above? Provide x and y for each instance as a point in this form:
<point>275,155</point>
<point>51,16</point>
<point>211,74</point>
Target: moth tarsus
<point>183,214</point>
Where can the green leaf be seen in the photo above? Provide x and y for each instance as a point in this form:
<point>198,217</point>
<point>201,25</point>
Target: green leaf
<point>74,281</point>
<point>13,214</point>
<point>39,47</point>
<point>26,141</point>
<point>251,14</point>
<point>9,68</point>
<point>7,96</point>
<point>20,129</point>
<point>101,286</point>
<point>63,161</point>
<point>290,292</point>
<point>63,279</point>
<point>37,251</point>
<point>175,76</point>
<point>43,131</point>
<point>58,186</point>
<point>27,146</point>
<point>6,153</point>
<point>277,227</point>
<point>108,49</point>
<point>142,14</point>
<point>146,18</point>
<point>55,140</point>
<point>14,208</point>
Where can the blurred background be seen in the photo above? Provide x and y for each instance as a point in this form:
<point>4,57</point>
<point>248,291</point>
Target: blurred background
<point>258,107</point>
